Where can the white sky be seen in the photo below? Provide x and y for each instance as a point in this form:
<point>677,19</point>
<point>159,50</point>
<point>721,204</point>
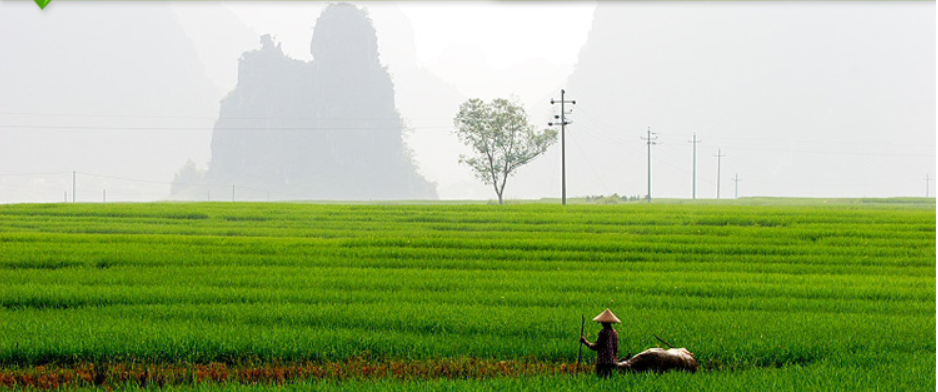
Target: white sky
<point>505,34</point>
<point>756,56</point>
<point>454,39</point>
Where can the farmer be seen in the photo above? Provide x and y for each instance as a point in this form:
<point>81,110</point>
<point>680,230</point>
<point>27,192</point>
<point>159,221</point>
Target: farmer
<point>607,344</point>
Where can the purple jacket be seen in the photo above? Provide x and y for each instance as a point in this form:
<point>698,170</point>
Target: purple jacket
<point>606,346</point>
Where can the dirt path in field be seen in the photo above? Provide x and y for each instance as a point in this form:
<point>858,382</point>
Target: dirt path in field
<point>117,374</point>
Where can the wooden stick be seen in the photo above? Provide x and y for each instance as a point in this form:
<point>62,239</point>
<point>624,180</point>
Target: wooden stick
<point>662,341</point>
<point>580,354</point>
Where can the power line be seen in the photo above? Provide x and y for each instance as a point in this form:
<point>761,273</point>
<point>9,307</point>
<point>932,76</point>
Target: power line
<point>148,181</point>
<point>85,115</point>
<point>591,126</point>
<point>32,174</point>
<point>805,141</point>
<point>592,168</point>
<point>834,184</point>
<point>831,152</point>
<point>259,128</point>
<point>588,116</point>
<point>93,115</point>
<point>201,185</point>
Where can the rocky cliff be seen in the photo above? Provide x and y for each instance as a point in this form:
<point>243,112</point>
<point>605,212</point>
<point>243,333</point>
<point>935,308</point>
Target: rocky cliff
<point>326,129</point>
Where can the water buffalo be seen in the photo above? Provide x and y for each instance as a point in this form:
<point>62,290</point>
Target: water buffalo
<point>660,360</point>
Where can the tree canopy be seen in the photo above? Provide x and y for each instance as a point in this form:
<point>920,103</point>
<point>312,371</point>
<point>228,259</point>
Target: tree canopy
<point>501,139</point>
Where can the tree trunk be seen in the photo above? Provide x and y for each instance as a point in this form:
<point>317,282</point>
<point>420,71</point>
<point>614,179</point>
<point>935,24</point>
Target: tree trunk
<point>500,189</point>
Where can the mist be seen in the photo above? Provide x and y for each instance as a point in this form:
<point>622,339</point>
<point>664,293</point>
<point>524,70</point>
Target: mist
<point>802,99</point>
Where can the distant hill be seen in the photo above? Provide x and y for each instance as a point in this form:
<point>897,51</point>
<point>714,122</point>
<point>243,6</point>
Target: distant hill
<point>326,129</point>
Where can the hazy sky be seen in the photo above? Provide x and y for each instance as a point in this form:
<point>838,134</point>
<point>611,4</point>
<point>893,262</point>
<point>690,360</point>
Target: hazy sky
<point>803,98</point>
<point>482,49</point>
<point>441,53</point>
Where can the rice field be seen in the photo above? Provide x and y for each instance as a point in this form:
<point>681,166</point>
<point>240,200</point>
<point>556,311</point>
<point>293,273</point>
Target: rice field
<point>227,296</point>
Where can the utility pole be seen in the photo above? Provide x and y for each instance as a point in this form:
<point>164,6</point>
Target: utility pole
<point>719,156</point>
<point>695,141</point>
<point>736,190</point>
<point>563,153</point>
<point>104,196</point>
<point>232,193</point>
<point>927,183</point>
<point>73,186</point>
<point>650,141</point>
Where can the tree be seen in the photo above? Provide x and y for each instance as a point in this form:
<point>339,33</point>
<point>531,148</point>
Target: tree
<point>501,138</point>
<point>186,179</point>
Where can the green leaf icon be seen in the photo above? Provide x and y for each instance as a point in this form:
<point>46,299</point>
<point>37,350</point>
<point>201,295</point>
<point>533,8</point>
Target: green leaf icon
<point>42,3</point>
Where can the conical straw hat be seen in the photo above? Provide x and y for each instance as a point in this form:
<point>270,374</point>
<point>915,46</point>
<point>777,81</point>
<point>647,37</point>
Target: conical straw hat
<point>607,317</point>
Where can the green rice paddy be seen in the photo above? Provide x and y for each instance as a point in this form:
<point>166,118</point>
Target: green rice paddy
<point>804,296</point>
